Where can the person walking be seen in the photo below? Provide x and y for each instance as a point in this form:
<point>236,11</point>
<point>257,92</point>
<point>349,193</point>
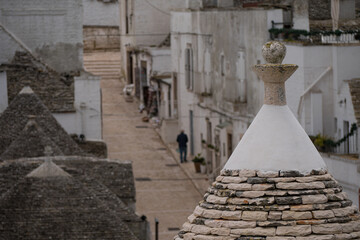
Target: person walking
<point>182,140</point>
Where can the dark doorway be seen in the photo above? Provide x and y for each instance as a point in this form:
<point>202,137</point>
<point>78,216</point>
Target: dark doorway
<point>130,68</point>
<point>229,144</point>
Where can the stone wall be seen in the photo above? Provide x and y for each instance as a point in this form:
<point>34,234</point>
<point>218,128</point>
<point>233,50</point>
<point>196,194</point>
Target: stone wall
<point>55,90</point>
<point>95,148</point>
<point>320,9</point>
<point>249,204</point>
<point>51,29</point>
<point>101,38</point>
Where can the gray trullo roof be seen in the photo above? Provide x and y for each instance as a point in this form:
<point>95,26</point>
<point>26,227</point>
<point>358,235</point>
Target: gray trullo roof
<point>40,200</point>
<point>24,107</point>
<point>31,142</point>
<point>275,185</point>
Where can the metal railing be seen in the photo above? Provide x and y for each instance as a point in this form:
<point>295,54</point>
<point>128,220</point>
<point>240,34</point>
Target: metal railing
<point>349,146</point>
<point>343,38</point>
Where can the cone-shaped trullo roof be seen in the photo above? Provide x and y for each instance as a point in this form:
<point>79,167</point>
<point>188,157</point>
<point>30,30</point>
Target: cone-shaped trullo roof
<point>275,185</point>
<point>31,142</point>
<point>51,204</point>
<point>25,106</point>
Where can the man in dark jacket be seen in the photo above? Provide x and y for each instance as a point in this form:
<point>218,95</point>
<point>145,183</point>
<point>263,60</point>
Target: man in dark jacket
<point>182,140</point>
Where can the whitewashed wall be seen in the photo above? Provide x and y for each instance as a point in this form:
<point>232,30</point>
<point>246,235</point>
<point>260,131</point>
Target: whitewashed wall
<point>347,173</point>
<point>87,119</point>
<point>312,62</point>
<point>149,23</point>
<point>98,13</point>
<point>201,30</point>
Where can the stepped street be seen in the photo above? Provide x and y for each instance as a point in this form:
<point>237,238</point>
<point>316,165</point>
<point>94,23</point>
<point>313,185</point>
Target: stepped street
<point>163,190</point>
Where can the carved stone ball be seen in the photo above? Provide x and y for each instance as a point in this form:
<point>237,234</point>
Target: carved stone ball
<point>274,52</point>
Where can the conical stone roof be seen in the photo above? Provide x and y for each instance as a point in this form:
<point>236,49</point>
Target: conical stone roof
<point>54,205</point>
<point>31,142</point>
<point>275,185</point>
<point>25,106</point>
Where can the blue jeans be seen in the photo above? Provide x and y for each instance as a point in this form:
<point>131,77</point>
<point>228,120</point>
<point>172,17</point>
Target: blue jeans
<point>182,154</point>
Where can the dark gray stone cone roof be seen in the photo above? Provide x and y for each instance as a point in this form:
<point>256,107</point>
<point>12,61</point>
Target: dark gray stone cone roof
<point>58,208</point>
<point>31,142</point>
<point>25,106</point>
<point>283,205</point>
<point>111,182</point>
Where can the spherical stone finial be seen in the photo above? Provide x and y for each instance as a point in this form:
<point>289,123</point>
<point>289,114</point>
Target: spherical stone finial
<point>274,52</point>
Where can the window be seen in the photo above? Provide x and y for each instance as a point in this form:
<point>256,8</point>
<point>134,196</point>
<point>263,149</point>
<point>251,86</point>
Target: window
<point>222,65</point>
<point>335,125</point>
<point>189,68</point>
<point>127,16</point>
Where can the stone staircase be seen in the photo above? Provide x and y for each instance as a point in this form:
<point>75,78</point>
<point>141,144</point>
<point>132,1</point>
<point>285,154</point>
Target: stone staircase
<point>104,64</point>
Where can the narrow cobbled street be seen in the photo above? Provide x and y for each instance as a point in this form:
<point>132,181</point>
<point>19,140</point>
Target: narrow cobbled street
<point>163,191</point>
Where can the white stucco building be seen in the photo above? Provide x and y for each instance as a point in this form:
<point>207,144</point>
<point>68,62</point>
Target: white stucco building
<point>212,51</point>
<point>49,38</point>
<point>318,93</point>
<point>143,24</point>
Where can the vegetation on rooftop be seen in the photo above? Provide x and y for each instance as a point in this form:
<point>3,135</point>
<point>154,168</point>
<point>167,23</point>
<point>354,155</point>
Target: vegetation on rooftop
<point>296,34</point>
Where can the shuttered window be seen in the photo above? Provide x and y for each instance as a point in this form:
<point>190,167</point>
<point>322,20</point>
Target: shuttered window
<point>189,68</point>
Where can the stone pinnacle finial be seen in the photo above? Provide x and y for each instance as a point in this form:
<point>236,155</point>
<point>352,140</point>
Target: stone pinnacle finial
<point>273,73</point>
<point>274,52</point>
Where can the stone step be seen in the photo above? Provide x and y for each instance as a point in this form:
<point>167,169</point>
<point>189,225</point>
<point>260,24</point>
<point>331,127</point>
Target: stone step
<point>103,61</point>
<point>106,74</point>
<point>102,66</point>
<point>103,70</point>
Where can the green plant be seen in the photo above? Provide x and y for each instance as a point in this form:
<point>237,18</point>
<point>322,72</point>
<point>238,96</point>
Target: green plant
<point>198,159</point>
<point>210,146</point>
<point>353,129</point>
<point>323,143</point>
<point>296,33</point>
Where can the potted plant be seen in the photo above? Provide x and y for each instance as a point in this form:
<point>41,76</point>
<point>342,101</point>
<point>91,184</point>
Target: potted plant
<point>203,167</point>
<point>198,160</point>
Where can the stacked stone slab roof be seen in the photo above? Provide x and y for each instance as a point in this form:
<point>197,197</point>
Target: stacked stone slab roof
<point>56,90</point>
<point>59,199</point>
<point>275,185</point>
<point>27,106</point>
<point>31,142</point>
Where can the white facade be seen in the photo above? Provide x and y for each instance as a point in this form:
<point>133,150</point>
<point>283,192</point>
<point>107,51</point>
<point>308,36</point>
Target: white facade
<point>101,13</point>
<point>143,23</point>
<point>219,94</point>
<point>87,119</point>
<point>318,92</point>
<point>347,173</point>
